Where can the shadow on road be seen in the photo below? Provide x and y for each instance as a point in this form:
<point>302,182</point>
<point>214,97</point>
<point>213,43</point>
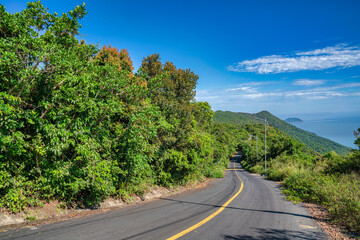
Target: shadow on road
<point>236,159</point>
<point>241,209</point>
<point>276,234</point>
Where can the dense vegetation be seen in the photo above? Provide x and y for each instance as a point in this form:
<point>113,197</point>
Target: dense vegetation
<point>330,179</point>
<point>78,125</point>
<point>313,141</point>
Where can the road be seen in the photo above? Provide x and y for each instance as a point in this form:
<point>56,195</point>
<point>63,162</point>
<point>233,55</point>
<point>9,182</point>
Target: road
<point>255,209</point>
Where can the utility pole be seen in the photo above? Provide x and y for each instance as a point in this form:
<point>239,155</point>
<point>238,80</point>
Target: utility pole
<point>265,138</point>
<point>265,146</point>
<point>257,152</point>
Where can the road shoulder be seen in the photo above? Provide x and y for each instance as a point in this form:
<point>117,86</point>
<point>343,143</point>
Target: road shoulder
<point>54,212</point>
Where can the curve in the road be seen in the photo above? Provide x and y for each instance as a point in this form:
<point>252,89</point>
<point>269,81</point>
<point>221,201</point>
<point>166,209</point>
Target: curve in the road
<point>192,228</point>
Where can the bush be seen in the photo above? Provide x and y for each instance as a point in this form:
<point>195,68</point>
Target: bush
<point>300,187</point>
<point>341,194</point>
<point>338,164</point>
<point>344,201</point>
<point>258,168</point>
<point>215,172</point>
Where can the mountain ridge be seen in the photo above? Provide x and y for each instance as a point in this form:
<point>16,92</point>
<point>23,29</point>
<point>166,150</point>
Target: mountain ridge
<point>312,140</point>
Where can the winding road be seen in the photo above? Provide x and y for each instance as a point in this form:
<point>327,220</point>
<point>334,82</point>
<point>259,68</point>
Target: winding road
<point>239,206</point>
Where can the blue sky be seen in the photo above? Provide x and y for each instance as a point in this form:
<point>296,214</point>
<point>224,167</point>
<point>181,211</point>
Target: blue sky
<point>291,58</point>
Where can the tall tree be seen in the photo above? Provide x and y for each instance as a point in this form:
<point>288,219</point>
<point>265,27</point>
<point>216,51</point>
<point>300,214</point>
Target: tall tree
<point>113,56</point>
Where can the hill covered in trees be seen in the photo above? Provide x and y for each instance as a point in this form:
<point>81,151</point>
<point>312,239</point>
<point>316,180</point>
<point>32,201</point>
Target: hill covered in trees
<point>313,141</point>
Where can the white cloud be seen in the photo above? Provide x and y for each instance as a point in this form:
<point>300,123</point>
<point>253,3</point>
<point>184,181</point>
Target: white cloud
<point>318,97</point>
<point>260,83</point>
<point>245,89</point>
<point>246,93</point>
<point>311,94</point>
<point>261,95</point>
<point>308,82</point>
<point>340,55</point>
<point>340,86</point>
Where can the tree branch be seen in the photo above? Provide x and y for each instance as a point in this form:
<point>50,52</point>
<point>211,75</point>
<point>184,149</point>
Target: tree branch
<point>42,116</point>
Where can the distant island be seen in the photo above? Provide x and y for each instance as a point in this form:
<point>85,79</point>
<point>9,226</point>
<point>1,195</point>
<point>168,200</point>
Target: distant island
<point>294,120</point>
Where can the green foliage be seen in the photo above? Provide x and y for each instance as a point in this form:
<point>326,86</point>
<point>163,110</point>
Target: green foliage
<point>280,148</point>
<point>341,194</point>
<point>217,172</point>
<point>227,138</point>
<point>30,218</point>
<point>344,201</point>
<point>235,118</point>
<point>339,165</point>
<point>357,136</point>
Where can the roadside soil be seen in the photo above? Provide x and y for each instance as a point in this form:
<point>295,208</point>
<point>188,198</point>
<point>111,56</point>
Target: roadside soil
<point>54,212</point>
<point>334,231</point>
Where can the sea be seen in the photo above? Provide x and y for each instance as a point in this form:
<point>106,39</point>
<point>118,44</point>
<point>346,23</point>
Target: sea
<point>338,129</point>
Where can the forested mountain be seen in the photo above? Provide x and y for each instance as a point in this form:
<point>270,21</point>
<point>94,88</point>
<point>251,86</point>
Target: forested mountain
<point>313,141</point>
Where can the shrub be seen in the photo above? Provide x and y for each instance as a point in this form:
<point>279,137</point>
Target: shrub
<point>344,201</point>
<point>215,172</point>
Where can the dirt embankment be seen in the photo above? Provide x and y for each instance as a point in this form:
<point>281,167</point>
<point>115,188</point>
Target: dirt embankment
<point>333,230</point>
<point>55,212</point>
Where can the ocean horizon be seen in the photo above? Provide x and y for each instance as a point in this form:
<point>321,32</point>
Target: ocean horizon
<point>337,129</point>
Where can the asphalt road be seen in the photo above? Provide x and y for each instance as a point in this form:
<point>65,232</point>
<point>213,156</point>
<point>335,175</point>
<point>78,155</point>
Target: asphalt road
<point>259,211</point>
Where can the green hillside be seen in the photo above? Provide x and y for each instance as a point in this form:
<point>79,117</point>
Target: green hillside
<point>313,141</point>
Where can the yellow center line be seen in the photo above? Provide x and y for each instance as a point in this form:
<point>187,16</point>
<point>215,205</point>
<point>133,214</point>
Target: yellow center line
<point>186,231</point>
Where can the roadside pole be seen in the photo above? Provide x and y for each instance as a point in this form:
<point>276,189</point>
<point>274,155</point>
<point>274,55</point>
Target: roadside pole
<point>265,146</point>
<point>265,138</point>
<point>257,152</point>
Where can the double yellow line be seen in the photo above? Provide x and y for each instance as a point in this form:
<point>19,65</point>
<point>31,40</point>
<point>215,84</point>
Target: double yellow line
<point>186,231</point>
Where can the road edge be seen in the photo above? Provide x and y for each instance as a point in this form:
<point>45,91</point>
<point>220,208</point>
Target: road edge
<point>53,212</point>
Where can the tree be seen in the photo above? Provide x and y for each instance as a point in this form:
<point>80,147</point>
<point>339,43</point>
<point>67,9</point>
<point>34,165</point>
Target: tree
<point>151,65</point>
<point>113,56</point>
<point>40,58</point>
<point>357,136</point>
